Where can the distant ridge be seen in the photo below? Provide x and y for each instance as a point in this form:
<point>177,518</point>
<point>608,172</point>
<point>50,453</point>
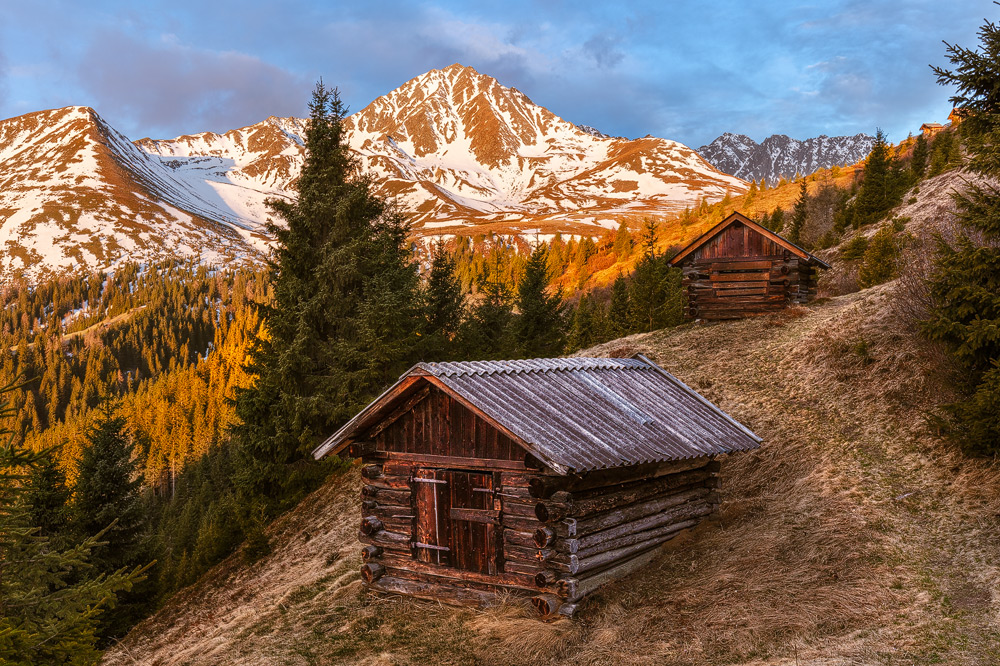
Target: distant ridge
<point>782,157</point>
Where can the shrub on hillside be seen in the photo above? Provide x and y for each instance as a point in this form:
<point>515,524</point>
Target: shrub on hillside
<point>977,419</point>
<point>881,259</point>
<point>855,248</point>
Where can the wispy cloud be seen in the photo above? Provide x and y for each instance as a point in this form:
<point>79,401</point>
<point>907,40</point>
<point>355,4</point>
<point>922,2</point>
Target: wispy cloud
<point>684,70</point>
<point>157,85</point>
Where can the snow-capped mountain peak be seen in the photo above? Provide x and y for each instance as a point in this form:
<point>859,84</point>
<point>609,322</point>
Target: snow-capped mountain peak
<point>456,149</point>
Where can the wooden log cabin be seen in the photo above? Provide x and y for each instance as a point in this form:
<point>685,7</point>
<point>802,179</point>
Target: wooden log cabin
<point>545,477</point>
<point>739,269</point>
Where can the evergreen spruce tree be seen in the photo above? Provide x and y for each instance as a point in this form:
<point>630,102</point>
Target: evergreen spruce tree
<point>47,500</point>
<point>966,280</point>
<point>50,603</point>
<point>654,290</point>
<point>623,241</point>
<point>945,153</point>
<point>107,501</point>
<point>107,493</point>
<point>588,324</point>
<point>619,308</point>
<point>655,296</point>
<point>443,306</point>
<point>881,188</point>
<point>540,325</point>
<point>918,162</point>
<point>777,220</point>
<point>343,320</point>
<point>765,220</point>
<point>799,214</point>
<point>486,333</point>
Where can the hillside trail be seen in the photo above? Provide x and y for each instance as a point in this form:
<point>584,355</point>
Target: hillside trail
<point>852,536</point>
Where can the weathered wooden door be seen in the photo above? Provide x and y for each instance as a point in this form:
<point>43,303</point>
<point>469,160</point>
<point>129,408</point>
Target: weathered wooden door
<point>457,520</point>
<point>474,521</point>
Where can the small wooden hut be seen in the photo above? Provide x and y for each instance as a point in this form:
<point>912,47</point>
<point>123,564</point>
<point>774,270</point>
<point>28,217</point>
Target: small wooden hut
<point>929,130</point>
<point>739,269</point>
<point>545,477</point>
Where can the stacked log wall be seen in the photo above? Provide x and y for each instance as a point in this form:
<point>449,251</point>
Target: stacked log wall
<point>561,537</point>
<point>595,530</point>
<point>386,534</point>
<point>732,288</point>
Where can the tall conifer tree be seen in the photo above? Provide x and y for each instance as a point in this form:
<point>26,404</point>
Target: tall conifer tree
<point>966,281</point>
<point>443,305</point>
<point>108,502</point>
<point>918,162</point>
<point>882,186</point>
<point>47,499</point>
<point>486,333</point>
<point>618,310</point>
<point>343,320</point>
<point>654,290</point>
<point>799,214</point>
<point>49,602</point>
<point>540,326</point>
<point>107,492</point>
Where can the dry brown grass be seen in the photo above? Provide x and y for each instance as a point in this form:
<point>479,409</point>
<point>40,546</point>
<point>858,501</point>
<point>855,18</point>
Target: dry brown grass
<point>851,537</point>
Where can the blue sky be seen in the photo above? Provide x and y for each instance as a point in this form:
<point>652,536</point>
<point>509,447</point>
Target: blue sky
<point>682,69</point>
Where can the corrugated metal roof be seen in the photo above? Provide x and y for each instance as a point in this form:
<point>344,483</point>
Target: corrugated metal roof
<point>581,414</point>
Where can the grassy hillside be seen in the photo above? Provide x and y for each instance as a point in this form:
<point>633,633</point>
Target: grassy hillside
<point>853,536</point>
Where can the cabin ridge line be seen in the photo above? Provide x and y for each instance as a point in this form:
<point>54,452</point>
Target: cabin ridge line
<point>544,477</point>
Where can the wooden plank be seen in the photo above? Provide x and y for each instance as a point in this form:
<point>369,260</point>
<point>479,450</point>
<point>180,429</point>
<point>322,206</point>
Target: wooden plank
<point>749,302</point>
<point>398,562</point>
<point>456,583</point>
<point>519,524</point>
<point>397,468</point>
<point>519,539</point>
<point>431,509</point>
<point>760,291</point>
<point>518,479</point>
<point>387,540</point>
<point>386,495</point>
<point>732,285</point>
<point>521,567</point>
<point>433,592</point>
<point>739,277</point>
<point>391,481</point>
<point>452,461</point>
<point>542,488</point>
<point>524,509</point>
<point>750,265</point>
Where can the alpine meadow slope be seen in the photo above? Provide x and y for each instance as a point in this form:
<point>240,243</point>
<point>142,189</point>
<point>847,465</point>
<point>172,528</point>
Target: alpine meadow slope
<point>854,535</point>
<point>457,151</point>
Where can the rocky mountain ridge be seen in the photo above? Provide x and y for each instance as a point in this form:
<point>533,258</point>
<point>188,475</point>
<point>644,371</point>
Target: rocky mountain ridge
<point>780,156</point>
<point>458,151</point>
